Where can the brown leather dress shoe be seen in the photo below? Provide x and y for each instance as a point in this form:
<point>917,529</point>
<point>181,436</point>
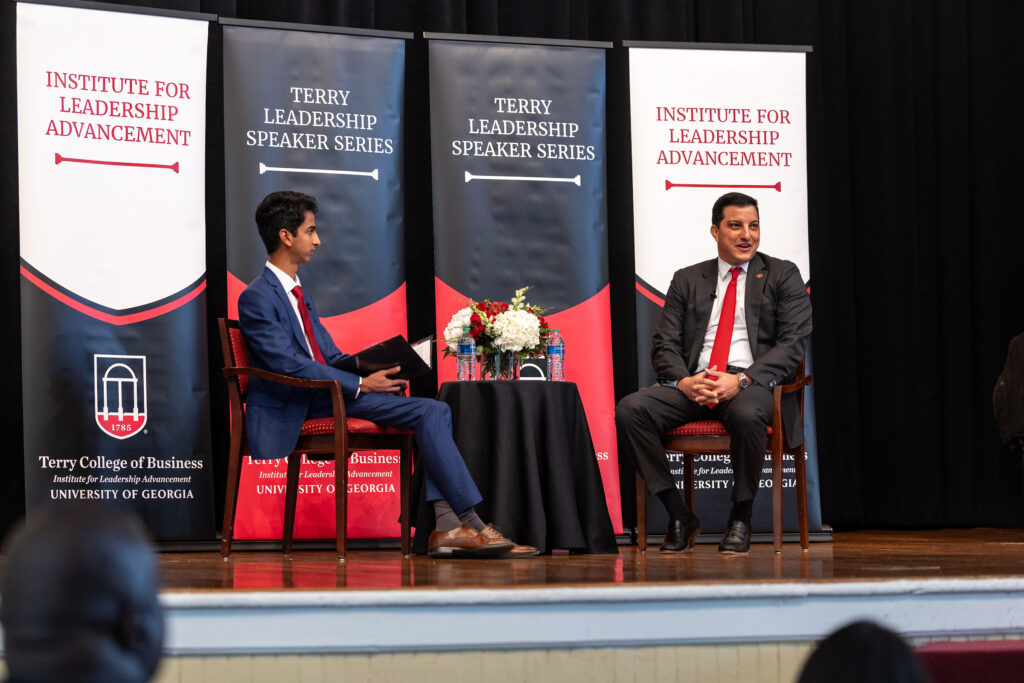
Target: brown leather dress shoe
<point>519,551</point>
<point>463,541</point>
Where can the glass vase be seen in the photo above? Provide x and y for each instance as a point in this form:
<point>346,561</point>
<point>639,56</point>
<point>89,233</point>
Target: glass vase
<point>500,365</point>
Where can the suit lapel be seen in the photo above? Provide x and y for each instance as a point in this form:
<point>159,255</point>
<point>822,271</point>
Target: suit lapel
<point>704,290</point>
<point>752,304</point>
<point>285,305</point>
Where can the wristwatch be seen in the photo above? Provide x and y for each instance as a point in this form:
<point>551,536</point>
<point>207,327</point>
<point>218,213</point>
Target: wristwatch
<point>744,380</point>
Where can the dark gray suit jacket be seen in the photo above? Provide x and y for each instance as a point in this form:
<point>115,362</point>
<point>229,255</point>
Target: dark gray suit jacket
<point>778,313</point>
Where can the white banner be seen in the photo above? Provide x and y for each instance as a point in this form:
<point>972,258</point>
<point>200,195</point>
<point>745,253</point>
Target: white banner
<point>111,151</point>
<point>111,169</point>
<point>704,123</point>
<point>707,122</point>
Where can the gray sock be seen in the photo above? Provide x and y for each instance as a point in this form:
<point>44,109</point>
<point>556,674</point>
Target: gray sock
<point>471,519</point>
<point>445,518</point>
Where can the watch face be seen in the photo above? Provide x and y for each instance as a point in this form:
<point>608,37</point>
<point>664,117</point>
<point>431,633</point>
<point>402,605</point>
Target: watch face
<point>744,382</point>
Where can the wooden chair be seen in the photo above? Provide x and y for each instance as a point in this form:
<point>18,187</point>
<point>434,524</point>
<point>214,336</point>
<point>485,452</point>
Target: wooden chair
<point>709,436</point>
<point>318,437</point>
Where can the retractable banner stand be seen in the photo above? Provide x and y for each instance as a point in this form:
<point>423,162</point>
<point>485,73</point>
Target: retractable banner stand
<point>111,154</point>
<point>321,113</point>
<point>705,122</point>
<point>518,155</point>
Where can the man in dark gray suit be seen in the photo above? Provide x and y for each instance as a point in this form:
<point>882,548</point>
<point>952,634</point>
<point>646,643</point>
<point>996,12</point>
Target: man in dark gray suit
<point>716,367</point>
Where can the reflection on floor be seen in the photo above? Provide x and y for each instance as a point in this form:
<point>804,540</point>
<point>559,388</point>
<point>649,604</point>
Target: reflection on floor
<point>854,556</point>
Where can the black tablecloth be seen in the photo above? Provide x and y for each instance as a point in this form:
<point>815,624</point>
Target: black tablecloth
<point>528,447</point>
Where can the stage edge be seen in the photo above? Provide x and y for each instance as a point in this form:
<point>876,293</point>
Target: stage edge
<point>215,623</point>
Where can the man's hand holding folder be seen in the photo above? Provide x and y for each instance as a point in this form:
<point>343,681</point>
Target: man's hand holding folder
<point>388,355</point>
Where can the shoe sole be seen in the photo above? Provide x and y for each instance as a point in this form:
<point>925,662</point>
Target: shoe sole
<point>482,551</point>
<point>730,551</point>
<point>686,548</point>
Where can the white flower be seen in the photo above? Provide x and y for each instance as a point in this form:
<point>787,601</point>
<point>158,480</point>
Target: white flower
<point>453,331</point>
<point>516,330</point>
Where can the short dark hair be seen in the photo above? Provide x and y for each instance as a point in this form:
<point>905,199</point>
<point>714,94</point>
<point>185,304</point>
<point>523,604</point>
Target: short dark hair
<point>80,597</point>
<point>731,199</point>
<point>863,651</point>
<point>282,210</point>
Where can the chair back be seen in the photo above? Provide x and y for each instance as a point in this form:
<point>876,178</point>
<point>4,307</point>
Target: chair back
<point>235,350</point>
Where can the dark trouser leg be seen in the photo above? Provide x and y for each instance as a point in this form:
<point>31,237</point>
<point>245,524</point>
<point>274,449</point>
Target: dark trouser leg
<point>745,417</point>
<point>640,419</point>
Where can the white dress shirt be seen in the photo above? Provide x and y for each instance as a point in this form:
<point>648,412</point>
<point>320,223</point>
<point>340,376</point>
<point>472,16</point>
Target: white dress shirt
<point>739,351</point>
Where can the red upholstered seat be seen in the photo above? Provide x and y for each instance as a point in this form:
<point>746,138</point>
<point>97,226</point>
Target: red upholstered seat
<point>325,425</point>
<point>703,428</point>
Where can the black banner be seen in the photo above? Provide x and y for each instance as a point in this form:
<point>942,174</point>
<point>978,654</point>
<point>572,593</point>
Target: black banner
<point>318,113</point>
<point>321,113</point>
<point>518,158</point>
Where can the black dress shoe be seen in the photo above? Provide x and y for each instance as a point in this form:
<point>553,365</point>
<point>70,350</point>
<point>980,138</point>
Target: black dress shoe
<point>736,539</point>
<point>679,533</point>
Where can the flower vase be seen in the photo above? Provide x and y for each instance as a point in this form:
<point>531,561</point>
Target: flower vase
<point>508,365</point>
<point>500,365</point>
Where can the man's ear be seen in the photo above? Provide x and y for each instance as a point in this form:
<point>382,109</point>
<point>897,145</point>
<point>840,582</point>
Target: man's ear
<point>714,231</point>
<point>285,237</point>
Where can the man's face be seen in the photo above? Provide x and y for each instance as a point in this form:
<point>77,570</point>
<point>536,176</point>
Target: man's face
<point>738,234</point>
<point>304,242</point>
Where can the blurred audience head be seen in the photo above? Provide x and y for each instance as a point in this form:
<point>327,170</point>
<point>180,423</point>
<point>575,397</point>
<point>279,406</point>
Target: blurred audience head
<point>863,651</point>
<point>78,598</point>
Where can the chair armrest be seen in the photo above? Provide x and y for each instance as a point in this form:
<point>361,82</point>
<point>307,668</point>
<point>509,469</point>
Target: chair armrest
<point>280,379</point>
<point>799,384</point>
<point>332,385</point>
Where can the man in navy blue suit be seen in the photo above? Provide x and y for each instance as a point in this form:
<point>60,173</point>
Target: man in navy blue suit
<point>284,334</point>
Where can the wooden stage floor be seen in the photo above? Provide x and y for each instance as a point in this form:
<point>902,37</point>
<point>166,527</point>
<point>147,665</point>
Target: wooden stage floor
<point>851,557</point>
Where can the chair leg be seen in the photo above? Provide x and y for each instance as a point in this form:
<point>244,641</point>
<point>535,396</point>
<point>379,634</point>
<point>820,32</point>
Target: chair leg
<point>641,513</point>
<point>690,497</point>
<point>291,493</point>
<point>341,503</point>
<point>405,491</point>
<point>777,493</point>
<point>801,496</point>
<point>231,496</point>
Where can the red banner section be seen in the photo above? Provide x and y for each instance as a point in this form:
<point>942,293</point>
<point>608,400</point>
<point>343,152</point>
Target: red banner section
<point>586,329</point>
<point>373,503</point>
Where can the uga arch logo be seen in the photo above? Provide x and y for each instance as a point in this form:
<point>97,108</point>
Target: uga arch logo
<point>119,384</point>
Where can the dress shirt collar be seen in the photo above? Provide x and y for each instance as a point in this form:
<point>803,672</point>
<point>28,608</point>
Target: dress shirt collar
<point>287,281</point>
<point>724,268</point>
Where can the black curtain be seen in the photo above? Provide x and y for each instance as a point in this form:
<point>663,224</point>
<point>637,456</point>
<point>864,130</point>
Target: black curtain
<point>914,166</point>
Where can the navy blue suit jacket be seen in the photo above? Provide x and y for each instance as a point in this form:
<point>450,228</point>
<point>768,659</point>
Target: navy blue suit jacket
<point>275,412</point>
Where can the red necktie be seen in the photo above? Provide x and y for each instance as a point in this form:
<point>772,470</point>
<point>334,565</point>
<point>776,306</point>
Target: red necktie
<point>723,336</point>
<point>307,324</point>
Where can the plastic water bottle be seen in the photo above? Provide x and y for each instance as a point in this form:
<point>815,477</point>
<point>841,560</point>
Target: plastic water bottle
<point>466,357</point>
<point>556,358</point>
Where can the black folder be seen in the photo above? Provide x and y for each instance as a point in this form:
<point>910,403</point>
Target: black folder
<point>388,354</point>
